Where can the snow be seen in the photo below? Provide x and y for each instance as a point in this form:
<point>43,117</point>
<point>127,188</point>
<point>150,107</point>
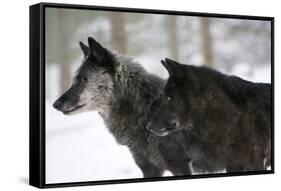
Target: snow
<point>80,148</point>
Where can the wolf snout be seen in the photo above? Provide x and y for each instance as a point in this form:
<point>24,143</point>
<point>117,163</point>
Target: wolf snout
<point>155,129</point>
<point>174,124</point>
<point>58,104</point>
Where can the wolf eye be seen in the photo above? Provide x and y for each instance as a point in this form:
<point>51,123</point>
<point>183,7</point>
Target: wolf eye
<point>169,98</point>
<point>83,79</point>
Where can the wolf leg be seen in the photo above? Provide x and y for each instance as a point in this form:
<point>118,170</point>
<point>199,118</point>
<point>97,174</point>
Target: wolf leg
<point>148,169</point>
<point>151,171</point>
<point>180,168</point>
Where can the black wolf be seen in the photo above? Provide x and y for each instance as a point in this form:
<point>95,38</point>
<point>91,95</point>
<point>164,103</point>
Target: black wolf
<point>227,116</point>
<point>125,95</point>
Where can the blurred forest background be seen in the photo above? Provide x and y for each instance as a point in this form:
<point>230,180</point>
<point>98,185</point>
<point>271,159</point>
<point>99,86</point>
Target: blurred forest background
<point>79,148</point>
<point>223,44</point>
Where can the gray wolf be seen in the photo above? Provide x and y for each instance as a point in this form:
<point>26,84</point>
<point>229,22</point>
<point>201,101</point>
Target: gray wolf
<point>125,95</point>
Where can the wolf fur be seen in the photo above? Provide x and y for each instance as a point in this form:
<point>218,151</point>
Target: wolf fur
<point>229,118</point>
<point>125,95</point>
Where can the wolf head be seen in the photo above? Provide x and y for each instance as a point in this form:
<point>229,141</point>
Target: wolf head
<point>92,84</point>
<point>173,112</point>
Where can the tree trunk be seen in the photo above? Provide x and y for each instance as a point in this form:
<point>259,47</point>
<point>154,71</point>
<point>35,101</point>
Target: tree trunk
<point>65,41</point>
<point>172,37</point>
<point>206,39</point>
<point>118,32</point>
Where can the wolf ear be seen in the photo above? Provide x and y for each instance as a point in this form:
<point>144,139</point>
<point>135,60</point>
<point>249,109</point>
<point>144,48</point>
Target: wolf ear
<point>96,50</point>
<point>167,66</point>
<point>174,68</point>
<point>84,48</point>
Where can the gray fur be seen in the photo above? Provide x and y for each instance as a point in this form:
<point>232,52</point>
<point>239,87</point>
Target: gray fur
<point>124,94</point>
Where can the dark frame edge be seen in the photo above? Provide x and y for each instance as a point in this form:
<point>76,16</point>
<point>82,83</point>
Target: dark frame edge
<point>272,95</point>
<point>156,179</point>
<point>35,131</point>
<point>155,11</point>
<point>37,84</point>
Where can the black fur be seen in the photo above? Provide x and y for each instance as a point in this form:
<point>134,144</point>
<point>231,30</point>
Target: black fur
<point>229,118</point>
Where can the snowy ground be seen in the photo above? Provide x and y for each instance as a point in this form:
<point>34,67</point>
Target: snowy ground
<point>80,148</point>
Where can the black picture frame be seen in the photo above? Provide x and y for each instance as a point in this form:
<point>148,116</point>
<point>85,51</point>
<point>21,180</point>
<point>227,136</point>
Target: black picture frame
<point>37,94</point>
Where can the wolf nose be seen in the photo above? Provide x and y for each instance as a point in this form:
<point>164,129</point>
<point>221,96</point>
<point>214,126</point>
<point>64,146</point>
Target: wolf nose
<point>174,123</point>
<point>58,104</point>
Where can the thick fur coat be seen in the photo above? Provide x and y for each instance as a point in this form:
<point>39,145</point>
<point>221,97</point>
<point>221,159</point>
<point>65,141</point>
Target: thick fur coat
<point>125,96</point>
<point>229,118</point>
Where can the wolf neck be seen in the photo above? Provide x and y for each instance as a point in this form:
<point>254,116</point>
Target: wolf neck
<point>133,83</point>
<point>134,88</point>
<point>134,92</point>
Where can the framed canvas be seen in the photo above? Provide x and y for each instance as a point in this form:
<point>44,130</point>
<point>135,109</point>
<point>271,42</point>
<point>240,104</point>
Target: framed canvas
<point>121,95</point>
